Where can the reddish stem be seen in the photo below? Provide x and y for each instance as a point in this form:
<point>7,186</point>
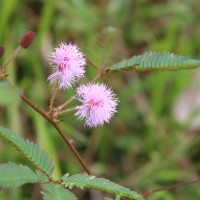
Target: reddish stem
<point>149,192</point>
<point>69,142</point>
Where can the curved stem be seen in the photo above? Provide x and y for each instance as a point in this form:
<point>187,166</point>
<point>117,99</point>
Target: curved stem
<point>149,192</point>
<point>68,141</point>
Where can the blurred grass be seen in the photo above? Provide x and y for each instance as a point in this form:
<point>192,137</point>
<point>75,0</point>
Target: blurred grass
<point>144,146</point>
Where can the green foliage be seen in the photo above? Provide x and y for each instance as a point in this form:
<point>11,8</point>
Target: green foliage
<point>42,177</point>
<point>56,192</point>
<point>31,151</point>
<point>154,61</point>
<point>100,48</point>
<point>143,132</point>
<point>86,181</point>
<point>8,93</point>
<point>12,174</point>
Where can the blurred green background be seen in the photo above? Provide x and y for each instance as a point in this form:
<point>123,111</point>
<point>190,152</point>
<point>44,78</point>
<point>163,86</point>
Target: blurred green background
<point>153,141</point>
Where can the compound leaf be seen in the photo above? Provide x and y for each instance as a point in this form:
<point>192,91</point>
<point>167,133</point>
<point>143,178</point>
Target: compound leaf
<point>12,174</point>
<point>56,192</point>
<point>154,61</point>
<point>105,185</point>
<point>31,151</point>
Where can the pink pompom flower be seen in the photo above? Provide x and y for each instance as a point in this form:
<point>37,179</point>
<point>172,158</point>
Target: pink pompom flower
<point>98,104</point>
<point>68,64</point>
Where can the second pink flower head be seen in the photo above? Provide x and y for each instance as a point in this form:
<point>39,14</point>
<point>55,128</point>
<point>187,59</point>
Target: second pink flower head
<point>98,104</point>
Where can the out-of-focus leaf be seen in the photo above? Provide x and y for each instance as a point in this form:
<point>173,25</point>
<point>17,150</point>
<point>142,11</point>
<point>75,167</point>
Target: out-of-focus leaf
<point>8,93</point>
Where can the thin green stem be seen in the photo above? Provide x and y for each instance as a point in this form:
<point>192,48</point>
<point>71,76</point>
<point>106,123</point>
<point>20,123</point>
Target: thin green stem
<point>12,57</point>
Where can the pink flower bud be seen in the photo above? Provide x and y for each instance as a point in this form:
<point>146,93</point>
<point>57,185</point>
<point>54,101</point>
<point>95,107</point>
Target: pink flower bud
<point>27,39</point>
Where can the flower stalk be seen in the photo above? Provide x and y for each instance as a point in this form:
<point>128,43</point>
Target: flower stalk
<point>11,58</point>
<point>59,130</point>
<point>53,97</point>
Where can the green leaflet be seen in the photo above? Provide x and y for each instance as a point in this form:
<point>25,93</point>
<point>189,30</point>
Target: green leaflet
<point>31,151</point>
<point>105,185</point>
<point>154,61</point>
<point>56,192</point>
<point>12,174</point>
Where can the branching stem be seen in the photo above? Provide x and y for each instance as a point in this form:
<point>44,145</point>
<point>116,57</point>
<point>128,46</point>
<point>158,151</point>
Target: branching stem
<point>76,95</point>
<point>68,141</point>
<point>66,102</point>
<point>66,111</point>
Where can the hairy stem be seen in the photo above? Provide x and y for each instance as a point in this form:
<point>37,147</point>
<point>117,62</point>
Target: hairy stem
<point>66,102</point>
<point>149,192</point>
<point>76,95</point>
<point>12,57</point>
<point>66,111</point>
<point>68,141</point>
<point>53,97</point>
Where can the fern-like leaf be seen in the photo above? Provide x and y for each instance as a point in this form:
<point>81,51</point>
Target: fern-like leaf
<point>154,61</point>
<point>101,47</point>
<point>56,192</point>
<point>29,150</point>
<point>86,181</point>
<point>12,174</point>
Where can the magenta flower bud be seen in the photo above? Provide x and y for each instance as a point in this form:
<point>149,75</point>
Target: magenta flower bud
<point>98,104</point>
<point>68,64</point>
<point>27,39</point>
<point>2,50</point>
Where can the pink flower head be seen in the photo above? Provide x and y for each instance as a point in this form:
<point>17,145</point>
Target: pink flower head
<point>98,104</point>
<point>68,63</point>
